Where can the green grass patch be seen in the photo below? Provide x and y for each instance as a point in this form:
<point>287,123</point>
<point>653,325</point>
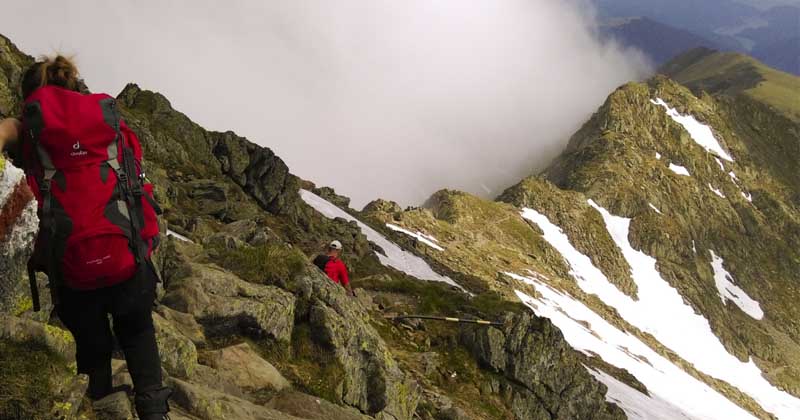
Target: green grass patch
<point>434,298</point>
<point>266,264</point>
<point>28,375</point>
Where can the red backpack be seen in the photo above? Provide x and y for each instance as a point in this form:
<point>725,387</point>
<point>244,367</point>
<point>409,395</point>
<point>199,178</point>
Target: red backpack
<point>97,216</point>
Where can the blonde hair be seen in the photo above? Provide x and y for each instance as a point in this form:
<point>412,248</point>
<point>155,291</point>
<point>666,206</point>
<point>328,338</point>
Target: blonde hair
<point>57,71</point>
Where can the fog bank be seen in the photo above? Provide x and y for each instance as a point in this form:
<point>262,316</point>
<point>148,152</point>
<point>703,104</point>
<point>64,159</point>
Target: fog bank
<point>377,98</point>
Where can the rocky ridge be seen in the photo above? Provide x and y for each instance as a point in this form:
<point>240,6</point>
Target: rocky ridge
<point>249,329</point>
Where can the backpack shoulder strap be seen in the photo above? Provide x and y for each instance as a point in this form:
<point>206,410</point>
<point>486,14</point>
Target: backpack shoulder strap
<point>321,261</point>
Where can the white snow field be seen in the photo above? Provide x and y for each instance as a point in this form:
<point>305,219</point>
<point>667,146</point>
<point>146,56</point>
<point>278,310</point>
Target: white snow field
<point>637,405</point>
<point>731,292</point>
<point>661,311</point>
<point>680,170</point>
<point>673,392</point>
<point>716,191</point>
<point>425,239</point>
<point>395,256</point>
<point>700,133</point>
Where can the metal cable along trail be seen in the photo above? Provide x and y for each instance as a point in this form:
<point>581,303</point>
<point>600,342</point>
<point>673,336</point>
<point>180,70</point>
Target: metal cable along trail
<point>445,318</point>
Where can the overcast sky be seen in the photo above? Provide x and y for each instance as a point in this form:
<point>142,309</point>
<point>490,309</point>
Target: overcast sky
<point>377,98</point>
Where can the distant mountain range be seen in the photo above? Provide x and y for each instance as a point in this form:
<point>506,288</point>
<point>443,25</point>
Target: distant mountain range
<point>663,29</point>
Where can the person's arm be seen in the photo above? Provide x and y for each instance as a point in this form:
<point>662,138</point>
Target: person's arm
<point>9,131</point>
<point>346,279</point>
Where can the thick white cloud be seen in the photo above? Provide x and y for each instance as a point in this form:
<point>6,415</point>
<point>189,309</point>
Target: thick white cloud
<point>377,98</point>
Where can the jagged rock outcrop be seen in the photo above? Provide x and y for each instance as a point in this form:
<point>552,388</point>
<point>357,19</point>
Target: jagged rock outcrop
<point>262,174</point>
<point>225,303</point>
<point>13,63</point>
<point>549,382</point>
<point>381,205</point>
<point>372,381</point>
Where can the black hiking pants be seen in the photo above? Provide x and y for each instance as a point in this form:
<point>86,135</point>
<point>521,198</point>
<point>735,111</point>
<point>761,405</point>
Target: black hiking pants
<point>86,315</point>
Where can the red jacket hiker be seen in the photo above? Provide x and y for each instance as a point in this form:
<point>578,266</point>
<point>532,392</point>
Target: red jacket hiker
<point>333,266</point>
<point>337,271</point>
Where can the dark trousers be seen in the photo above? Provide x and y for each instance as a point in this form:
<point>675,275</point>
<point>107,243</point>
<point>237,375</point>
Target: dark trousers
<point>86,315</point>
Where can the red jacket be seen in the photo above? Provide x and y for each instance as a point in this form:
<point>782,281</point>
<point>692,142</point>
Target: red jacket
<point>337,271</point>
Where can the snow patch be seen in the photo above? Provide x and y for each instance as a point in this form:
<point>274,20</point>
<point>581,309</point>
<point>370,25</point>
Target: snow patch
<point>654,208</point>
<point>680,170</point>
<point>425,239</point>
<point>731,292</point>
<point>700,133</point>
<point>636,405</point>
<point>661,311</point>
<point>672,391</point>
<point>178,236</point>
<point>747,196</point>
<point>719,162</point>
<point>716,191</point>
<point>395,256</point>
<point>733,177</point>
<point>658,156</point>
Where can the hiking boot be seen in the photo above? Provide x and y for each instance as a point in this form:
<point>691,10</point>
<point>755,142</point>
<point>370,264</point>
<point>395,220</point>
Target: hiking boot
<point>152,404</point>
<point>114,406</point>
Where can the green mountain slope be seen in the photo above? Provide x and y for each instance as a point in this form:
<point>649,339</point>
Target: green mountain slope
<point>735,74</point>
<point>744,212</point>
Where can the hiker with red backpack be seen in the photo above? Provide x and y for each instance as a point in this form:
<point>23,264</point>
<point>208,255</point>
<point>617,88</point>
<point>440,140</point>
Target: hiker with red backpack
<point>332,265</point>
<point>97,227</point>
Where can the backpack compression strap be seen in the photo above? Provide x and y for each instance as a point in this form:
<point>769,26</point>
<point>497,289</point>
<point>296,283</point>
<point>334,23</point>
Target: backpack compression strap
<point>35,123</point>
<point>129,183</point>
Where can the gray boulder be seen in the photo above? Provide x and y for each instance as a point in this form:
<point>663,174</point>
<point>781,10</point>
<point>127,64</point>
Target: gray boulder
<point>208,404</point>
<point>311,407</point>
<point>224,303</point>
<point>548,380</point>
<point>244,367</point>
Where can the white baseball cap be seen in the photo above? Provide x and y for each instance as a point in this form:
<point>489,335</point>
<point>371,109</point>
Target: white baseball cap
<point>335,245</point>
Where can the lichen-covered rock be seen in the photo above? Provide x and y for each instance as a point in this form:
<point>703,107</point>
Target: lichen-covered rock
<point>312,408</point>
<point>184,323</point>
<point>245,368</point>
<point>382,206</point>
<point>372,381</point>
<point>13,63</point>
<point>550,381</point>
<point>330,195</point>
<point>208,404</point>
<point>114,406</point>
<point>224,303</point>
<point>178,353</point>
<point>262,174</point>
<point>23,330</point>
